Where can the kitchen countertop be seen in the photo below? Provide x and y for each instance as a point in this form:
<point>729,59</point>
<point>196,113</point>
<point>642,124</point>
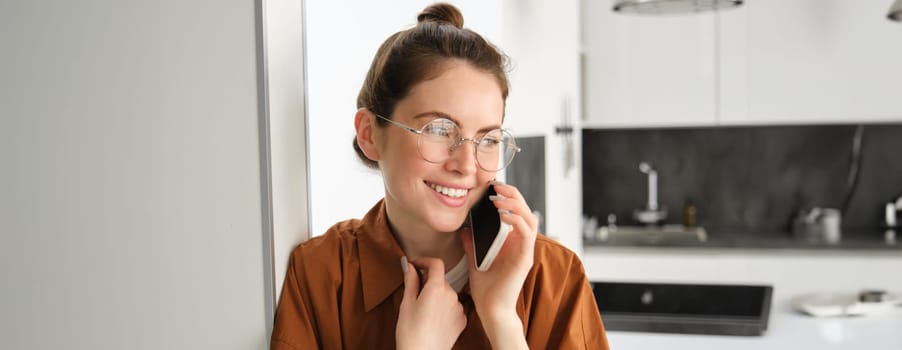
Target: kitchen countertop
<point>791,273</point>
<point>787,330</point>
<point>766,240</point>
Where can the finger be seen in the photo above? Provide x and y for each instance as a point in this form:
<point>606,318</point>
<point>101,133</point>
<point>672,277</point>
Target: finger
<point>511,199</point>
<point>435,270</point>
<point>517,222</point>
<point>411,282</point>
<point>461,318</point>
<point>519,208</point>
<point>508,191</point>
<point>522,230</point>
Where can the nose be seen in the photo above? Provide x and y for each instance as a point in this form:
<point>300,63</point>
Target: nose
<point>463,157</point>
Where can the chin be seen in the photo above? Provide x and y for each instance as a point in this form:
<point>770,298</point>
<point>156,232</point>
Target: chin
<point>448,224</point>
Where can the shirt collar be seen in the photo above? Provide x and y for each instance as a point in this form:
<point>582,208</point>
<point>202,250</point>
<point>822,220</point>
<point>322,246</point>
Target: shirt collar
<point>380,257</point>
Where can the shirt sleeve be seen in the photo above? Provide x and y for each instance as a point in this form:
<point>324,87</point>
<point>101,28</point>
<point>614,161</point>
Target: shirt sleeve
<point>295,324</point>
<point>592,329</point>
<point>565,315</point>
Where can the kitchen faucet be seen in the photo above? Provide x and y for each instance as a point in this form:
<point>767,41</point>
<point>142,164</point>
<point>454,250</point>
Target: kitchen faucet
<point>652,185</point>
<point>891,221</point>
<point>653,212</point>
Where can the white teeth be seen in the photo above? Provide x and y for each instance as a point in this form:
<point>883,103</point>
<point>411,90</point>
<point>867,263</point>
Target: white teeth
<point>450,192</point>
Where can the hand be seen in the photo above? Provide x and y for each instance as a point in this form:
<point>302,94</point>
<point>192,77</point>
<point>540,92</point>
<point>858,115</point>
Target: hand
<point>432,318</point>
<point>495,292</point>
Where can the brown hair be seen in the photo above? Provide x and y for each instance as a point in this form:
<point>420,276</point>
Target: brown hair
<point>411,56</point>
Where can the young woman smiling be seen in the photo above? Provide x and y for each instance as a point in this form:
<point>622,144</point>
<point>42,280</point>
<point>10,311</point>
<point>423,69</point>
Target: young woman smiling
<point>429,117</point>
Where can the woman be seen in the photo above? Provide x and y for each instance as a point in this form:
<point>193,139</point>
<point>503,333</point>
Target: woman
<point>429,118</point>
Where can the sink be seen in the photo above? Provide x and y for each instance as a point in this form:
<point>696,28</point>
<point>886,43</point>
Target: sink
<point>666,234</point>
<point>684,308</point>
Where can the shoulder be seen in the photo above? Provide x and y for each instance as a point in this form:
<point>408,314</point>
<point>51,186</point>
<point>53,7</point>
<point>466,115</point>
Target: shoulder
<point>559,294</point>
<point>555,267</point>
<point>553,256</point>
<point>340,233</point>
<point>336,244</point>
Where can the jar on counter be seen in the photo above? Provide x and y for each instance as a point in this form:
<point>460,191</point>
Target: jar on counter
<point>690,214</point>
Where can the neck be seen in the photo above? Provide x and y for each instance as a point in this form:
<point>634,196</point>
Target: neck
<point>419,241</point>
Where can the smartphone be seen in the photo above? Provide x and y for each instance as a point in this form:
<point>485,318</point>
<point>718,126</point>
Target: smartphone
<point>489,232</point>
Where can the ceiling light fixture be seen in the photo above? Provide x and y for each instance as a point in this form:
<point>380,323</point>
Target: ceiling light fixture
<point>665,7</point>
<point>895,11</point>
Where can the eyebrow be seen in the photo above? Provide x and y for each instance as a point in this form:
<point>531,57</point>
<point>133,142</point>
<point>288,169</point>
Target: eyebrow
<point>449,117</point>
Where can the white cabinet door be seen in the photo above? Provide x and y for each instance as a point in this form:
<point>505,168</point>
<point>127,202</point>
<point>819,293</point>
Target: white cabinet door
<point>810,61</point>
<point>648,70</point>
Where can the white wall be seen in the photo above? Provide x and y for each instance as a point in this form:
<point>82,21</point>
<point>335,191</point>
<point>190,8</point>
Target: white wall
<point>130,190</point>
<point>342,38</point>
<point>542,38</point>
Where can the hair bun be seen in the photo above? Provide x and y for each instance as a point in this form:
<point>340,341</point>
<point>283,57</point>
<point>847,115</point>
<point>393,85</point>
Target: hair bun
<point>442,12</point>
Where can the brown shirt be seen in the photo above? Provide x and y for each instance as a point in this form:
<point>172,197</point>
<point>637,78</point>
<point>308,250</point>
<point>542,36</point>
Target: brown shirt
<point>343,290</point>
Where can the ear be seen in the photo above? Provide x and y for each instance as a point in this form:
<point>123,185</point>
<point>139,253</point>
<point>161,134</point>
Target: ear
<point>364,123</point>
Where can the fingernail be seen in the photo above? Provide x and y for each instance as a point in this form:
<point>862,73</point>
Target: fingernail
<point>404,264</point>
<point>496,197</point>
<point>496,182</point>
<point>504,211</point>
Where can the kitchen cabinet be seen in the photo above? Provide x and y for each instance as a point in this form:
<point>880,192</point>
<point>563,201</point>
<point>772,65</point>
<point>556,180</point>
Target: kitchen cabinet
<point>810,61</point>
<point>766,62</point>
<point>652,71</point>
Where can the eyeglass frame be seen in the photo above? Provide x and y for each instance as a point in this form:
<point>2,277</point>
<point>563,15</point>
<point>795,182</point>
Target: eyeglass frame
<point>456,144</point>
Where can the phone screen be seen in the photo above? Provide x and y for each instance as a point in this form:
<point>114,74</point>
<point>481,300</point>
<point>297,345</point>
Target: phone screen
<point>487,226</point>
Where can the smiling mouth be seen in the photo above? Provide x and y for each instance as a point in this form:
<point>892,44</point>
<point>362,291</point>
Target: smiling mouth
<point>447,191</point>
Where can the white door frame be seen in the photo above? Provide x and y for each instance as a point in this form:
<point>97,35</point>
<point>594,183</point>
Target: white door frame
<point>284,169</point>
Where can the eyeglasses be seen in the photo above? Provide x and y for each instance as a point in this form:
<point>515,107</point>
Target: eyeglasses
<point>440,137</point>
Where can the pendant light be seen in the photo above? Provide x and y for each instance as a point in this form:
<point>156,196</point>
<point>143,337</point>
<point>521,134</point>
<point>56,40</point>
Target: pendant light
<point>665,7</point>
<point>895,11</point>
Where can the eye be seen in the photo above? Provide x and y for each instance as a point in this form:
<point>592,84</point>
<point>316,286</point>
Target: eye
<point>492,140</point>
<point>489,141</point>
<point>441,128</point>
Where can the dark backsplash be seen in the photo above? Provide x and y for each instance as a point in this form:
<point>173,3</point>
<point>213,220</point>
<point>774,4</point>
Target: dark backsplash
<point>744,179</point>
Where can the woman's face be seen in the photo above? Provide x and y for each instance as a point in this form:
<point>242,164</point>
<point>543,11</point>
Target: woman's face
<point>472,99</point>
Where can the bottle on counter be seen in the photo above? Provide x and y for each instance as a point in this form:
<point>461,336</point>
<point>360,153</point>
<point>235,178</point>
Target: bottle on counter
<point>689,214</point>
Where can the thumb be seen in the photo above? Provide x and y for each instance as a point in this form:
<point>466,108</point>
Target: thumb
<point>411,282</point>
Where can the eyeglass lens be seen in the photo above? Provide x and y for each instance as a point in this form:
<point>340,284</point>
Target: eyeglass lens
<point>438,138</point>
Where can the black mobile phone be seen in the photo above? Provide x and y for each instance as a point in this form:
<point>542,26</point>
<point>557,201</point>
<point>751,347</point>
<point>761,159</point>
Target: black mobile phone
<point>489,232</point>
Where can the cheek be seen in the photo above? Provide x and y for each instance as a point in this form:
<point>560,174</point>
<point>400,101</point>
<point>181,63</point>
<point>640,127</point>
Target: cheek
<point>403,164</point>
<point>484,177</point>
<point>399,151</point>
